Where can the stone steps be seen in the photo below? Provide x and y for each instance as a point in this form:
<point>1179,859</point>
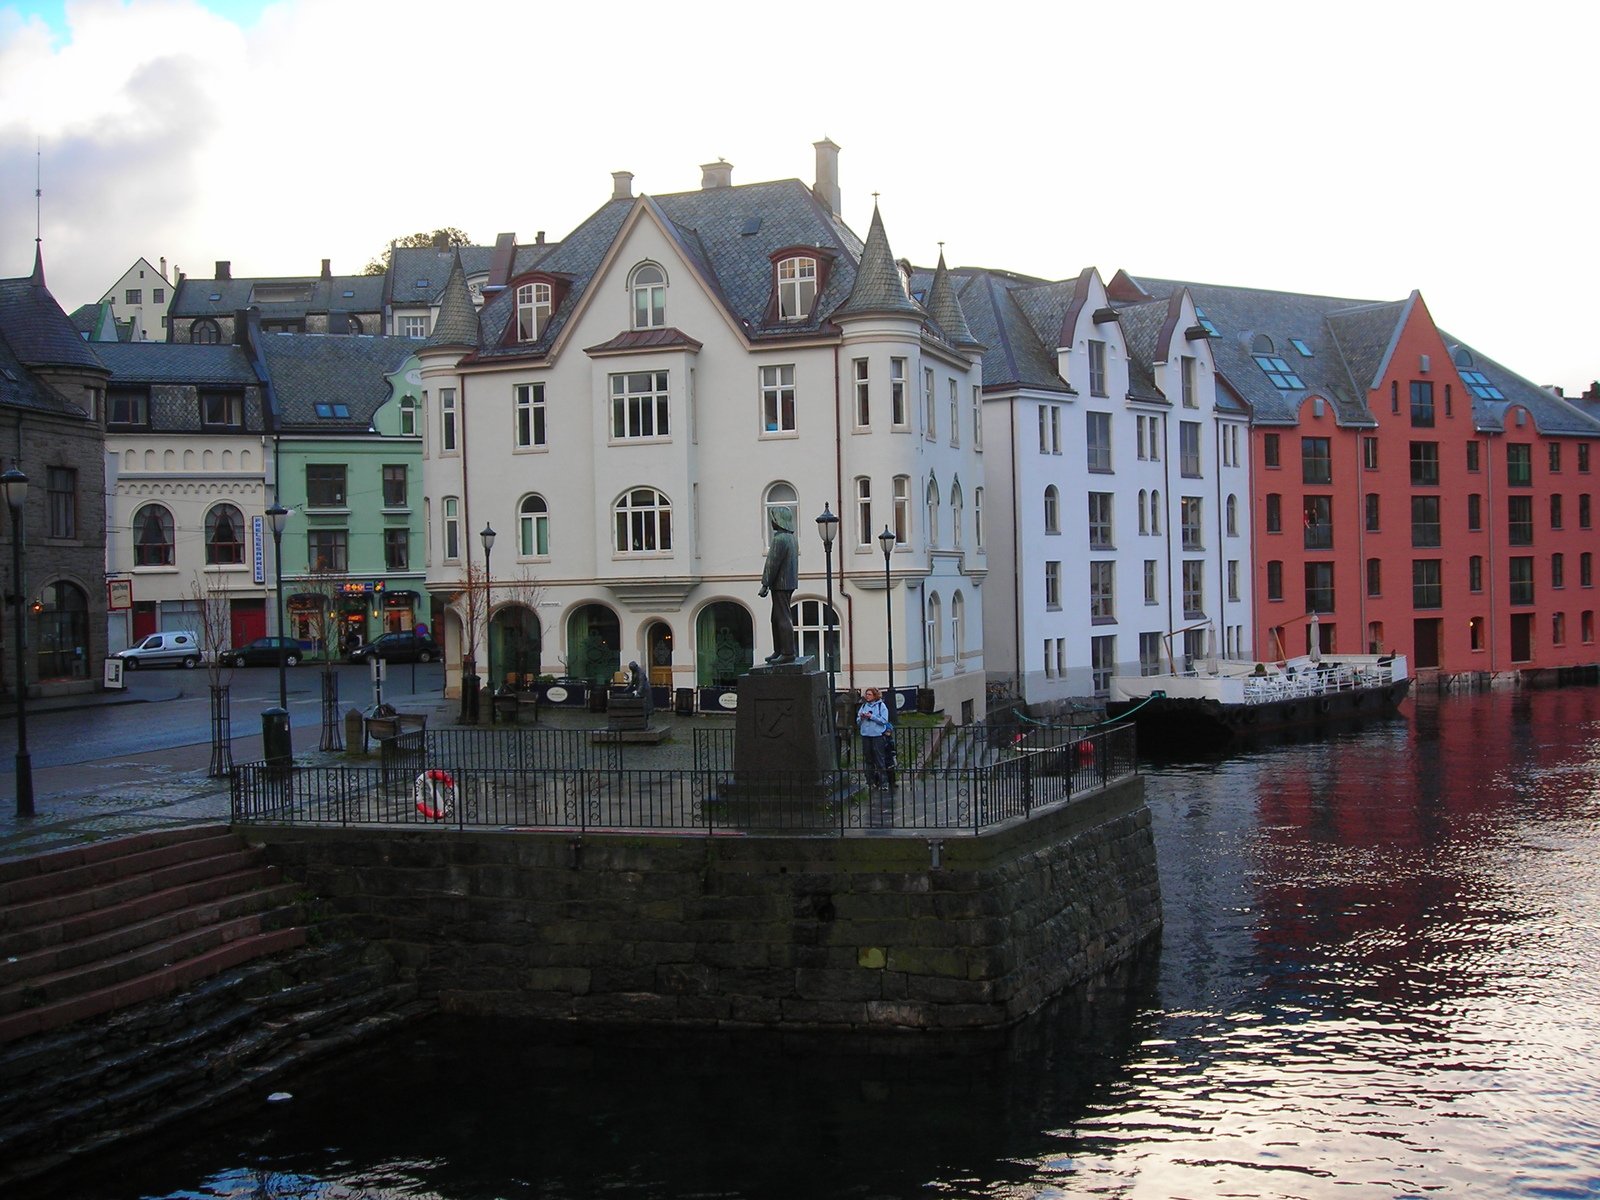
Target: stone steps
<point>118,922</point>
<point>188,1057</point>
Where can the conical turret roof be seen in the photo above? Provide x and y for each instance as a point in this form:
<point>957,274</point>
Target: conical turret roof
<point>457,322</point>
<point>879,290</point>
<point>945,308</point>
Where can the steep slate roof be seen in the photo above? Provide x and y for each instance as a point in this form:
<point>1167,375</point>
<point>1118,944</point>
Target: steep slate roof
<point>306,369</point>
<point>1240,314</point>
<point>19,389</point>
<point>417,274</point>
<point>879,288</point>
<point>1141,329</point>
<point>944,307</point>
<point>1551,413</point>
<point>177,363</point>
<point>1015,355</point>
<point>728,234</point>
<point>195,298</point>
<point>39,332</point>
<point>457,322</point>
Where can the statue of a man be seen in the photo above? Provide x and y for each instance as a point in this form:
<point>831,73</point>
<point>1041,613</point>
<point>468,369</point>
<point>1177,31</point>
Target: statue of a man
<point>781,576</point>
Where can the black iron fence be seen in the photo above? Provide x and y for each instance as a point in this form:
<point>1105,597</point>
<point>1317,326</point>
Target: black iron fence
<point>962,779</point>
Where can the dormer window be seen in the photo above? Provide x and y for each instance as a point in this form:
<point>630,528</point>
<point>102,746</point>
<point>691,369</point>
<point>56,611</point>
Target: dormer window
<point>649,285</point>
<point>797,288</point>
<point>533,311</point>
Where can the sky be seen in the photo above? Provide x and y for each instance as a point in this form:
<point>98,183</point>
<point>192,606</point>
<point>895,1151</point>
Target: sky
<point>1359,149</point>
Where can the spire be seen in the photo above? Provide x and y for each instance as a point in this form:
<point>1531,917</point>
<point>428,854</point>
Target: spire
<point>457,322</point>
<point>879,290</point>
<point>38,265</point>
<point>945,308</point>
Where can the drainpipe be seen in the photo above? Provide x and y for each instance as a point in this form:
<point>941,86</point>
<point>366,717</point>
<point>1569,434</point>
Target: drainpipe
<point>1016,562</point>
<point>1166,536</point>
<point>1492,580</point>
<point>1222,540</point>
<point>466,533</point>
<point>838,499</point>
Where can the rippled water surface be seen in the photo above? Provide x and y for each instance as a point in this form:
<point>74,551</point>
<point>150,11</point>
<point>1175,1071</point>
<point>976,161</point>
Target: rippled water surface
<point>1378,978</point>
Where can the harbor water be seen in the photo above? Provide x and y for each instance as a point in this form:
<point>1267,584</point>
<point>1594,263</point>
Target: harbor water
<point>1379,977</point>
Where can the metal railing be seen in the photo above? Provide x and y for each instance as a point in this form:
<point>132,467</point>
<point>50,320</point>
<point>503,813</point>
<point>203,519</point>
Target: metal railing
<point>958,779</point>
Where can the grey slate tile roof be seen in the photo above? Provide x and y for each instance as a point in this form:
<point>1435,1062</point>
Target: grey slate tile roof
<point>40,334</point>
<point>19,388</point>
<point>1552,414</point>
<point>1016,356</point>
<point>944,306</point>
<point>728,234</point>
<point>457,322</point>
<point>177,363</point>
<point>1141,328</point>
<point>417,274</point>
<point>879,288</point>
<point>193,298</point>
<point>306,369</point>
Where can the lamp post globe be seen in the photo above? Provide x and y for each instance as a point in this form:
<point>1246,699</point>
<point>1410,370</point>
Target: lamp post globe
<point>14,485</point>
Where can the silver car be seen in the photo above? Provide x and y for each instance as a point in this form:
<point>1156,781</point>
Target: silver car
<point>177,648</point>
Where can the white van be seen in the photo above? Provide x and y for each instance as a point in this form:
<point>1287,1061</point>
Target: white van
<point>179,647</point>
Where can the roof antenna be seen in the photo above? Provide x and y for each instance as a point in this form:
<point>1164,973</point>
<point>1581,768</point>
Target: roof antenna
<point>38,191</point>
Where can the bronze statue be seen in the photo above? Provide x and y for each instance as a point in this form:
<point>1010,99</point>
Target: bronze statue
<point>781,576</point>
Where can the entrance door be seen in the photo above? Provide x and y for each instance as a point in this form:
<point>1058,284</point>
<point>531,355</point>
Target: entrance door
<point>1425,639</point>
<point>1521,637</point>
<point>247,620</point>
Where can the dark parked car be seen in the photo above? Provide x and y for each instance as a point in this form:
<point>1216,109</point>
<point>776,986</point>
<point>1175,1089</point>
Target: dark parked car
<point>265,652</point>
<point>408,646</point>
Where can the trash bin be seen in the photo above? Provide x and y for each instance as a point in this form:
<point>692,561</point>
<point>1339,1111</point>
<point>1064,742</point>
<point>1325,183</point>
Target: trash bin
<point>683,702</point>
<point>597,698</point>
<point>275,744</point>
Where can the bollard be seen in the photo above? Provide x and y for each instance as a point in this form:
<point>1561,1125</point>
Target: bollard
<point>276,746</point>
<point>355,744</point>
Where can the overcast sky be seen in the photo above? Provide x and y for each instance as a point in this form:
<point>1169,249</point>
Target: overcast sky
<point>1355,149</point>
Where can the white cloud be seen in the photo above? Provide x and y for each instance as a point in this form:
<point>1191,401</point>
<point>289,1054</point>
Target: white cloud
<point>1360,150</point>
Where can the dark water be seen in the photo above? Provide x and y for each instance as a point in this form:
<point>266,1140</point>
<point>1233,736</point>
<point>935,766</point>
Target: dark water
<point>1378,978</point>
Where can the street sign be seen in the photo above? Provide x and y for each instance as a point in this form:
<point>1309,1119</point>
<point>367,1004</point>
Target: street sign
<point>119,594</point>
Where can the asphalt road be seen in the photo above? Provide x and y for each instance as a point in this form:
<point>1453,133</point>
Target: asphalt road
<point>176,710</point>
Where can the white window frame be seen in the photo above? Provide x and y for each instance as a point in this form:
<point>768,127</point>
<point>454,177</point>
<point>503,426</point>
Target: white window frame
<point>797,288</point>
<point>641,407</point>
<point>648,296</point>
<point>902,511</point>
<point>865,533</point>
<point>642,524</point>
<point>930,414</point>
<point>528,427</point>
<point>533,310</point>
<point>533,527</point>
<point>448,441</point>
<point>450,510</point>
<point>779,409</point>
<point>899,418</point>
<point>862,373</point>
<point>1052,585</point>
<point>977,417</point>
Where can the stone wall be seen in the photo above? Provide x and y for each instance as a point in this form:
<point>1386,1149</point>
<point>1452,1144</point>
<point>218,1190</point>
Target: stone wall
<point>849,933</point>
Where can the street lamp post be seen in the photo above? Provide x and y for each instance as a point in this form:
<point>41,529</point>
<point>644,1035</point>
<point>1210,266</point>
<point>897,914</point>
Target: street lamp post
<point>886,540</point>
<point>276,741</point>
<point>15,485</point>
<point>487,537</point>
<point>828,526</point>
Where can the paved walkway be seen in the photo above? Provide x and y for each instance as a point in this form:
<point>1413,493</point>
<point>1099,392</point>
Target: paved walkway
<point>86,801</point>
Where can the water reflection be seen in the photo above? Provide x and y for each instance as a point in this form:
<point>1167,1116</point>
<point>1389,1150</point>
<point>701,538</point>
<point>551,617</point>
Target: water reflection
<point>1377,978</point>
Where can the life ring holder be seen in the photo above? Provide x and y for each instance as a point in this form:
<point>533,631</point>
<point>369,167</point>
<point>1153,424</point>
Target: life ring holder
<point>1086,753</point>
<point>435,793</point>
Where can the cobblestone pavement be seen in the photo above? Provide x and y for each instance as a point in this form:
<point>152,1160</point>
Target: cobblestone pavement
<point>86,801</point>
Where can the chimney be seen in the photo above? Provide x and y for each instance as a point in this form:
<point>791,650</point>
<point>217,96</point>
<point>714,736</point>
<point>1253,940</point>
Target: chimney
<point>224,269</point>
<point>538,238</point>
<point>826,188</point>
<point>622,185</point>
<point>716,175</point>
<point>163,266</point>
<point>327,268</point>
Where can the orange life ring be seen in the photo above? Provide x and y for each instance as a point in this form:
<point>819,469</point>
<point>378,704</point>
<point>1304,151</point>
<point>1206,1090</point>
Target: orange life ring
<point>435,793</point>
<point>1086,754</point>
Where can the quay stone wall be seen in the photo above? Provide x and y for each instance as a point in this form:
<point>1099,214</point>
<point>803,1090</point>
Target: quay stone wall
<point>855,933</point>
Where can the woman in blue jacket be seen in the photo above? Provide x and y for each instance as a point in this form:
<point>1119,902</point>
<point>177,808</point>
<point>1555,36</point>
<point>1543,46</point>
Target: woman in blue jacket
<point>872,721</point>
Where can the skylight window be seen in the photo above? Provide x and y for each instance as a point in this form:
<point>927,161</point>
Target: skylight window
<point>422,283</point>
<point>1480,385</point>
<point>1205,321</point>
<point>216,295</point>
<point>1282,376</point>
<point>332,411</point>
<point>1305,350</point>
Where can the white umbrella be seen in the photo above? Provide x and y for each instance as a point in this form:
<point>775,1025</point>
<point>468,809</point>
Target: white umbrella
<point>1316,639</point>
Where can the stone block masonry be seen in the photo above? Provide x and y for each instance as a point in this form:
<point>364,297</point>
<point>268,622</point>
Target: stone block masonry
<point>852,934</point>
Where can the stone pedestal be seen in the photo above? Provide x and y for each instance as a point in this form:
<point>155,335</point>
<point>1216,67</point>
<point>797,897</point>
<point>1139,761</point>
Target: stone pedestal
<point>783,766</point>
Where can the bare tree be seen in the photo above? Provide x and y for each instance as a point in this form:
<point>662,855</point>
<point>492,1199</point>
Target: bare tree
<point>327,631</point>
<point>214,612</point>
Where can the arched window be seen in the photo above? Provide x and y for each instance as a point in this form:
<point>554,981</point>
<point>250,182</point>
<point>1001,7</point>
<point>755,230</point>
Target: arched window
<point>533,311</point>
<point>205,332</point>
<point>958,627</point>
<point>62,635</point>
<point>353,326</point>
<point>935,632</point>
<point>1155,512</point>
<point>1144,515</point>
<point>864,530</point>
<point>594,643</point>
<point>956,507</point>
<point>1052,510</point>
<point>643,522</point>
<point>224,535</point>
<point>1262,344</point>
<point>408,416</point>
<point>533,527</point>
<point>811,625</point>
<point>932,499</point>
<point>649,287</point>
<point>1233,516</point>
<point>152,537</point>
<point>797,288</point>
<point>724,637</point>
<point>779,495</point>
